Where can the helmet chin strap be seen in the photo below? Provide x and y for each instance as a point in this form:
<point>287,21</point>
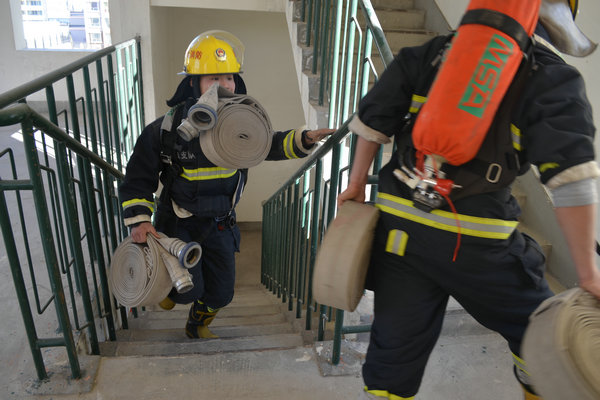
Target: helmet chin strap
<point>557,18</point>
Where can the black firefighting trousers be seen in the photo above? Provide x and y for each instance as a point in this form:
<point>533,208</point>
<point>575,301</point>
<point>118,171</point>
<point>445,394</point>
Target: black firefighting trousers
<point>214,275</point>
<point>498,281</point>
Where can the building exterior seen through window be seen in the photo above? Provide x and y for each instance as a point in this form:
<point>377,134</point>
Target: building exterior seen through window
<point>65,24</point>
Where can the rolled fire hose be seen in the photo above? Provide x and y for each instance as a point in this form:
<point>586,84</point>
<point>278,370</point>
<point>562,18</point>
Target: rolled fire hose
<point>144,274</point>
<point>343,258</point>
<point>242,135</point>
<point>562,347</point>
<point>201,116</point>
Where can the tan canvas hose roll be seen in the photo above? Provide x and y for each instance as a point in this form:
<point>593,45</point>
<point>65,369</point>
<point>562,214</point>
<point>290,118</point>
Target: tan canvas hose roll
<point>343,257</point>
<point>144,274</point>
<point>242,135</point>
<point>561,347</point>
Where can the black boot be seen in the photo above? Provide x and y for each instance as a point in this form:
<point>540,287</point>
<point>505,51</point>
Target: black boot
<point>198,320</point>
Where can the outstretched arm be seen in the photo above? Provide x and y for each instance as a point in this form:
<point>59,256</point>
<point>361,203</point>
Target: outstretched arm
<point>579,227</point>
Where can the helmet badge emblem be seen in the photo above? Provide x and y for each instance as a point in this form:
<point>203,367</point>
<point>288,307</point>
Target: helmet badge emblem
<point>221,55</point>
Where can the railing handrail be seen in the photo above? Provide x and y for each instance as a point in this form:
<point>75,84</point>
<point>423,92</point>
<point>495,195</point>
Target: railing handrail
<point>314,157</point>
<point>13,95</point>
<point>20,112</point>
<point>74,158</point>
<point>375,27</point>
<point>301,219</point>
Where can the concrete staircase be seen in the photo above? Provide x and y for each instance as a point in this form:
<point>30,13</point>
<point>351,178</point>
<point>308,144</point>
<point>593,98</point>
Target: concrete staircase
<point>402,23</point>
<point>255,320</point>
<point>263,351</point>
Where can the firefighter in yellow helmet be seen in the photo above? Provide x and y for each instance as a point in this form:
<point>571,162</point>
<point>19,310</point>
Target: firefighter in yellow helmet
<point>198,199</point>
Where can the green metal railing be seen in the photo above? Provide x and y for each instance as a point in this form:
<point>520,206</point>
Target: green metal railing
<point>73,154</point>
<point>297,215</point>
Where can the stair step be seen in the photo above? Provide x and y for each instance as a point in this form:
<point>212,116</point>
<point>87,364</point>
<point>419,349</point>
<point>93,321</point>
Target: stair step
<point>203,346</point>
<point>393,4</point>
<point>397,19</point>
<point>179,320</point>
<point>224,332</point>
<point>181,312</point>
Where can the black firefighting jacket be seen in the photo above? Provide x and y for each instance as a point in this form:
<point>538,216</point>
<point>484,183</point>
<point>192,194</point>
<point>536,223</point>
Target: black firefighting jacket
<point>552,120</point>
<point>202,188</point>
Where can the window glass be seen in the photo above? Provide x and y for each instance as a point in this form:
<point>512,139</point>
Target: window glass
<point>63,24</point>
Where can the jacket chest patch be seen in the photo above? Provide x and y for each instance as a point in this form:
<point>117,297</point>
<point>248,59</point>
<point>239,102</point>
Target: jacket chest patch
<point>185,155</point>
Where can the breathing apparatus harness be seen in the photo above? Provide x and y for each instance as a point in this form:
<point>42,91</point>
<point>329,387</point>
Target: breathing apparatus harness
<point>459,126</point>
<point>496,163</point>
<point>495,166</point>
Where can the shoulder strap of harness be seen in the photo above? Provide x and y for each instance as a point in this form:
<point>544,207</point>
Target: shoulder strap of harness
<point>168,150</point>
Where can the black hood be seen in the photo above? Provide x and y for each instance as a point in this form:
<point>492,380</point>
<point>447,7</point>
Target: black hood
<point>185,90</point>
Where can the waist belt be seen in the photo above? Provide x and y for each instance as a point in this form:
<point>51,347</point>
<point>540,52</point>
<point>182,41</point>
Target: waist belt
<point>562,346</point>
<point>488,228</point>
<point>242,134</point>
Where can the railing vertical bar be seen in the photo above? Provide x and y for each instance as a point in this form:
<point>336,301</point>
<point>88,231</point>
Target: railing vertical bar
<point>324,51</point>
<point>333,121</point>
<point>314,236</point>
<point>296,228</point>
<point>112,96</point>
<point>108,182</point>
<point>309,23</point>
<point>139,87</point>
<point>48,247</point>
<point>316,48</point>
<point>124,130</point>
<point>20,287</point>
<point>72,222</point>
<point>279,250</point>
<point>304,218</point>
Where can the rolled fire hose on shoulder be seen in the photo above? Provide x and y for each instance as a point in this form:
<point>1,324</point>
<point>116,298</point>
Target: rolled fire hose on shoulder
<point>235,130</point>
<point>143,274</point>
<point>561,347</point>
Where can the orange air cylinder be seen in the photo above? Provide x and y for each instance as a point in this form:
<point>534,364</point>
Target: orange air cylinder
<point>473,78</point>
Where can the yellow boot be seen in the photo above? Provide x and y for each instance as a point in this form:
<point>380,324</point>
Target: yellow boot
<point>529,395</point>
<point>198,320</point>
<point>166,304</point>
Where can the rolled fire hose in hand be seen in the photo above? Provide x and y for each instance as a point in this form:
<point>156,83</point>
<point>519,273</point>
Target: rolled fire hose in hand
<point>242,136</point>
<point>343,258</point>
<point>143,274</point>
<point>561,347</point>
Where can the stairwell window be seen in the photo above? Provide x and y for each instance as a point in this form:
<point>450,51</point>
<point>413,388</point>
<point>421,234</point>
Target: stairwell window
<point>61,24</point>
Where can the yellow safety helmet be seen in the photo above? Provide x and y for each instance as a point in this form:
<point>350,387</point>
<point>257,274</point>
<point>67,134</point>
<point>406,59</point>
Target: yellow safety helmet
<point>213,52</point>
